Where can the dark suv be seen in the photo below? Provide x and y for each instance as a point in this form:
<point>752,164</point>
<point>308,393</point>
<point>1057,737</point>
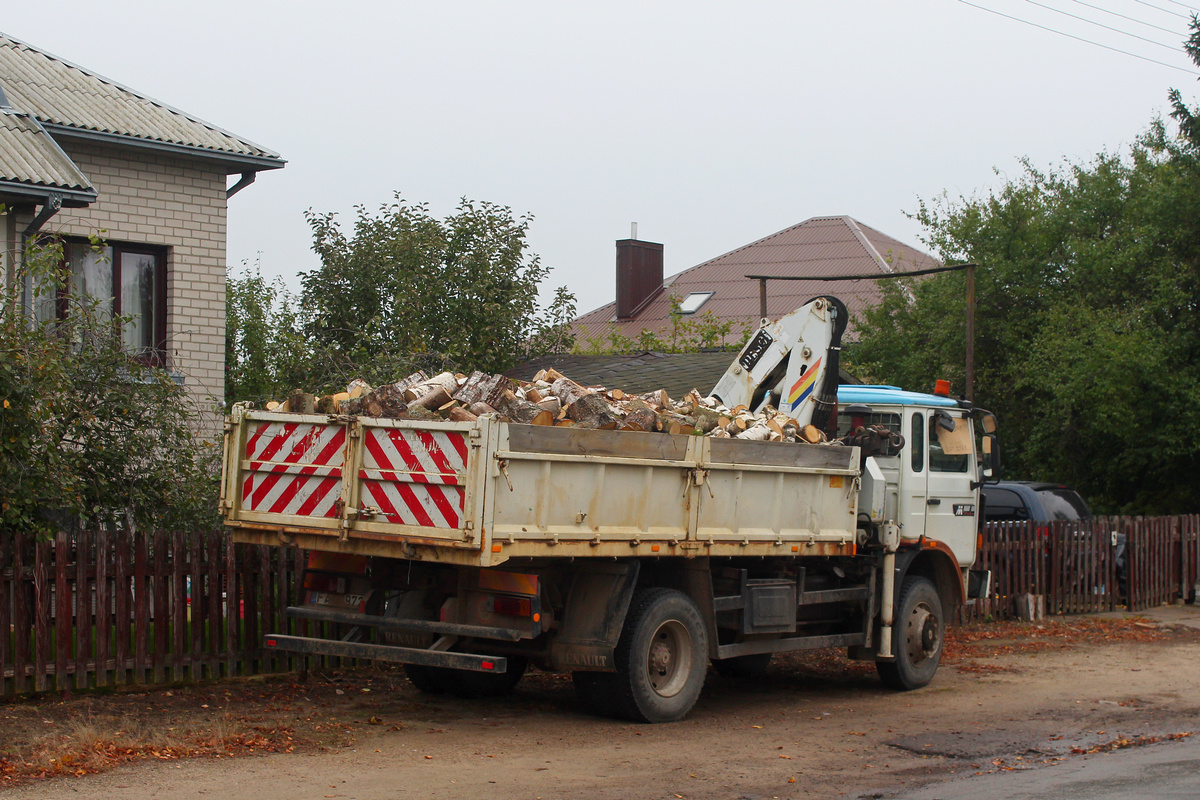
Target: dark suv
<point>1017,501</point>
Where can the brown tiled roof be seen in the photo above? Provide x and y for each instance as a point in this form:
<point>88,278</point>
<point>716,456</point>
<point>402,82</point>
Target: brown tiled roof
<point>818,246</point>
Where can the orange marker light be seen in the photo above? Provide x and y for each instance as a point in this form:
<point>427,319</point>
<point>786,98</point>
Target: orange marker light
<point>941,387</point>
<point>654,548</point>
<point>496,548</point>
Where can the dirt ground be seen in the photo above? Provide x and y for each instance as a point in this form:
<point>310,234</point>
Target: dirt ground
<point>1009,697</point>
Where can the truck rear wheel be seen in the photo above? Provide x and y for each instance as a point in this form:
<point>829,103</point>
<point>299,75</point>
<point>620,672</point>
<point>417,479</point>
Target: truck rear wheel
<point>464,682</point>
<point>917,637</point>
<point>661,657</point>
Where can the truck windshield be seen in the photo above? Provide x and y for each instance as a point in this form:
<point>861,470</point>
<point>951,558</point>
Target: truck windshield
<point>889,421</point>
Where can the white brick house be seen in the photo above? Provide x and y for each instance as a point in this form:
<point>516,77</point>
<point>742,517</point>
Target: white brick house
<point>81,155</point>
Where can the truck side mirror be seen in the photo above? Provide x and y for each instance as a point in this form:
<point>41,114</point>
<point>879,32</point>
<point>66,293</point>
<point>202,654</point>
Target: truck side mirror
<point>991,458</point>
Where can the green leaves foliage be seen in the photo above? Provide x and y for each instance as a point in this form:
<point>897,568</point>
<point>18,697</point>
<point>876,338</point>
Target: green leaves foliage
<point>400,291</point>
<point>88,434</point>
<point>1088,322</point>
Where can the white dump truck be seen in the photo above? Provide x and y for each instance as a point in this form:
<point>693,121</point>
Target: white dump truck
<point>468,550</point>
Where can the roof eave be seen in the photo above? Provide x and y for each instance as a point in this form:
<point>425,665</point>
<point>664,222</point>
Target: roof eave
<point>37,194</point>
<point>231,162</point>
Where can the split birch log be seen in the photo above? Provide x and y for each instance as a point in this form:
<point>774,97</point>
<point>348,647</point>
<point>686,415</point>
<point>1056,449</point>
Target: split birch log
<point>812,434</point>
<point>706,419</point>
<point>551,404</point>
<point>568,391</point>
<point>299,402</point>
<point>523,411</point>
<point>590,411</point>
<point>657,398</point>
<point>756,433</point>
<point>432,400</point>
<point>357,388</point>
<point>642,419</point>
<point>386,401</point>
<point>482,388</point>
<point>533,395</point>
<point>460,414</point>
<point>443,380</point>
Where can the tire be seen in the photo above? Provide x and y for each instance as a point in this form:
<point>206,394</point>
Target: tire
<point>751,666</point>
<point>661,657</point>
<point>917,637</point>
<point>466,683</point>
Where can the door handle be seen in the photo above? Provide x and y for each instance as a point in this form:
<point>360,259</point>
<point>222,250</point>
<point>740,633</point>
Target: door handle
<point>933,501</point>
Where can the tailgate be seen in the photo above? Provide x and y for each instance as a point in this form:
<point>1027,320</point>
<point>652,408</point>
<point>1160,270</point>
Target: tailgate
<point>408,479</point>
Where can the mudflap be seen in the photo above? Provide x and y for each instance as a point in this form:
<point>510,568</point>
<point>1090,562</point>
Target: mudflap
<point>593,617</point>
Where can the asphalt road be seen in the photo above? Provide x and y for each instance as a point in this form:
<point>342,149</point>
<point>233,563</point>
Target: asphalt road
<point>1164,771</point>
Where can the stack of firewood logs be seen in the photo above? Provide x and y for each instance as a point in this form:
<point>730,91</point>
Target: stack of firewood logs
<point>551,398</point>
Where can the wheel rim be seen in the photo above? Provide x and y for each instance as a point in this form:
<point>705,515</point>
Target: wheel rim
<point>923,635</point>
<point>669,658</point>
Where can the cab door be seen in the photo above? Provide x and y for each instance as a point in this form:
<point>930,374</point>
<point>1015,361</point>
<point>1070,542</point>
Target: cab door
<point>914,474</point>
<point>951,502</point>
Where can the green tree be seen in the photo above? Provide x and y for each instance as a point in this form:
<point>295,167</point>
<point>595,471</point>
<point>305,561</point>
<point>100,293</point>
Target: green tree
<point>266,352</point>
<point>406,289</point>
<point>90,435</point>
<point>1088,335</point>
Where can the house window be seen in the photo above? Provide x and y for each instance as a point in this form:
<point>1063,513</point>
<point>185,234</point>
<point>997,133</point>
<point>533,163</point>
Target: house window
<point>691,304</point>
<point>124,280</point>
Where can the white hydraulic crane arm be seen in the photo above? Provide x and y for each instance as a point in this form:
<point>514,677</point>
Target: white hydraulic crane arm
<point>792,364</point>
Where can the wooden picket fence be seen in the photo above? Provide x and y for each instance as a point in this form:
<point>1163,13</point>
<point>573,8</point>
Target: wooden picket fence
<point>97,610</point>
<point>1073,566</point>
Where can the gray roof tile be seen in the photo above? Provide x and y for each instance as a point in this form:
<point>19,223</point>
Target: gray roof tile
<point>29,156</point>
<point>59,93</point>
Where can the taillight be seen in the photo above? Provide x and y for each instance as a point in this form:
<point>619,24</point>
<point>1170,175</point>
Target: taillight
<point>512,606</point>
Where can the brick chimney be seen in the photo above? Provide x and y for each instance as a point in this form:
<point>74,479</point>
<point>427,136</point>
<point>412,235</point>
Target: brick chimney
<point>639,275</point>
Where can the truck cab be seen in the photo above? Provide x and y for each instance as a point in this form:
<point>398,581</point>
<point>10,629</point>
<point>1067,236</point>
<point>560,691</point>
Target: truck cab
<point>928,486</point>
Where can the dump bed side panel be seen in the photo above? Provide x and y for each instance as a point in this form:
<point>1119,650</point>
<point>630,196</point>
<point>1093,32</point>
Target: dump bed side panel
<point>566,487</point>
<point>770,492</point>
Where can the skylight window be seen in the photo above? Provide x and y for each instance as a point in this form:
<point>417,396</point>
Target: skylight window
<point>691,304</point>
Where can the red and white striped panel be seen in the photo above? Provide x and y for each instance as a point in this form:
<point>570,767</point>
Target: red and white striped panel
<point>295,469</point>
<point>415,477</point>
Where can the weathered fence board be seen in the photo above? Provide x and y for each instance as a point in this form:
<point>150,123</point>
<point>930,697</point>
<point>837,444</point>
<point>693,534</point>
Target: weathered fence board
<point>105,608</point>
<point>1075,566</point>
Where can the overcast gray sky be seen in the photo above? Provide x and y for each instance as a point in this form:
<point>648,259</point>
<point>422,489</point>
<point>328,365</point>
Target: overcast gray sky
<point>710,124</point>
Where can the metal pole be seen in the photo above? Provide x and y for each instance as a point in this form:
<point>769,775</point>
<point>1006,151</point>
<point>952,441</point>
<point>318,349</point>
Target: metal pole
<point>971,333</point>
<point>762,298</point>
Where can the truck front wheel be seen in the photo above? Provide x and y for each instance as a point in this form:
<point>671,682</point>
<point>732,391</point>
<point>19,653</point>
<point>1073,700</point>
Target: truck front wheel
<point>917,636</point>
<point>661,657</point>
